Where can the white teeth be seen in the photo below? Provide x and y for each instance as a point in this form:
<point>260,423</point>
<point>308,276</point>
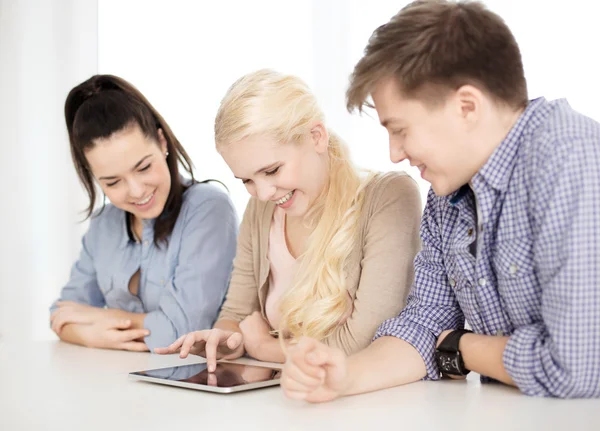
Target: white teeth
<point>285,198</point>
<point>145,201</point>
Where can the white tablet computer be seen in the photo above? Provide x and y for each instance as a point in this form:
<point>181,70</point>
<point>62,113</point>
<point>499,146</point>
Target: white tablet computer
<point>228,377</point>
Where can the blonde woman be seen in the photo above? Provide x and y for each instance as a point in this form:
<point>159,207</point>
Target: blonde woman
<point>323,251</point>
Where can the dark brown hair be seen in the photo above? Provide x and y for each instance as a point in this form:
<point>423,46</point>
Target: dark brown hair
<point>433,46</point>
<point>105,104</point>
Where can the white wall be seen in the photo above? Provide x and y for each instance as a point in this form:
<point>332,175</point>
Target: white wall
<point>45,49</point>
<point>185,55</point>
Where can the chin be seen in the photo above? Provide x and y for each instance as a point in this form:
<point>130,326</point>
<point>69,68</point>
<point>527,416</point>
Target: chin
<point>443,190</point>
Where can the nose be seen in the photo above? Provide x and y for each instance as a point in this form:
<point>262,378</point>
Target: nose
<point>265,191</point>
<point>397,153</point>
<point>136,189</point>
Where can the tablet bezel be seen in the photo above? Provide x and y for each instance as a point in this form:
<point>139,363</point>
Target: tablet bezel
<point>206,388</point>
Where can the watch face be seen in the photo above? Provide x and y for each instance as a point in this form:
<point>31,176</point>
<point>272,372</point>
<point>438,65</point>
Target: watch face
<point>448,363</point>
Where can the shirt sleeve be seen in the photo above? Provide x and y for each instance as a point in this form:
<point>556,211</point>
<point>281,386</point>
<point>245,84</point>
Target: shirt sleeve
<point>242,297</point>
<point>390,245</point>
<point>559,354</point>
<point>193,296</point>
<point>432,306</point>
<point>82,286</point>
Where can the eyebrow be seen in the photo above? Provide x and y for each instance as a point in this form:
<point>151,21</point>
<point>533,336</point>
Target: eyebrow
<point>266,168</point>
<point>112,177</point>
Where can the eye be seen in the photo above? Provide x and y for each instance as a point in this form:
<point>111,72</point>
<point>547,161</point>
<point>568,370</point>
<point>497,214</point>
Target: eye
<point>273,172</point>
<point>398,132</point>
<point>112,184</point>
<point>145,168</point>
<point>246,181</point>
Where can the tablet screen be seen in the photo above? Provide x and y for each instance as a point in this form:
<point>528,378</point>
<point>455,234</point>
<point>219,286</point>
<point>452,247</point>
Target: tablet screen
<point>226,375</point>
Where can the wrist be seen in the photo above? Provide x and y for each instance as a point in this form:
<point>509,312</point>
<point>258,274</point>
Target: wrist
<point>268,349</point>
<point>448,355</point>
<point>348,384</point>
<point>464,346</point>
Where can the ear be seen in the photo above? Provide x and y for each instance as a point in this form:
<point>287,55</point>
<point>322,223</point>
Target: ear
<point>469,103</point>
<point>319,137</point>
<point>162,141</point>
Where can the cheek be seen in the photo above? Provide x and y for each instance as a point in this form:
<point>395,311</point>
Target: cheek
<point>160,176</point>
<point>251,189</point>
<point>115,194</point>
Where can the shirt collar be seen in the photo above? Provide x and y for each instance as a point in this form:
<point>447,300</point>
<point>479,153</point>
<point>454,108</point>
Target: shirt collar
<point>127,235</point>
<point>497,170</point>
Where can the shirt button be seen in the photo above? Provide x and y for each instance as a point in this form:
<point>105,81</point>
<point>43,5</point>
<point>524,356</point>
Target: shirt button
<point>146,242</point>
<point>513,268</point>
<point>452,282</point>
<point>162,281</point>
<point>470,232</point>
<point>482,281</point>
<point>500,333</point>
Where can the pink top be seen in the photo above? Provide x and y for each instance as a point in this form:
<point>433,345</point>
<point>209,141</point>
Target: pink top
<point>282,265</point>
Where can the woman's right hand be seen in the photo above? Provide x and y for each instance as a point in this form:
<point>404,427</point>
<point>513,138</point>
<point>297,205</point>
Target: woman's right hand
<point>113,334</point>
<point>212,344</point>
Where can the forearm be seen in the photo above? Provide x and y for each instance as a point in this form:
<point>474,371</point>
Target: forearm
<point>270,350</point>
<point>70,333</point>
<point>387,362</point>
<point>483,354</point>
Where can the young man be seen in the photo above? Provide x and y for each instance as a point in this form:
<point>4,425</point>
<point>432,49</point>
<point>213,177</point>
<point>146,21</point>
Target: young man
<point>511,229</point>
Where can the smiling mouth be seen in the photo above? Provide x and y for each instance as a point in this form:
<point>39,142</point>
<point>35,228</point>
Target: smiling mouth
<point>144,201</point>
<point>285,198</point>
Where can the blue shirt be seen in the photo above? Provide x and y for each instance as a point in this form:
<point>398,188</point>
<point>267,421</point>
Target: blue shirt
<point>536,272</point>
<point>182,284</point>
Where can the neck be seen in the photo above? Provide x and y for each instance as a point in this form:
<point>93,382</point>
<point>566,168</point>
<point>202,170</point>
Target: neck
<point>137,227</point>
<point>495,131</point>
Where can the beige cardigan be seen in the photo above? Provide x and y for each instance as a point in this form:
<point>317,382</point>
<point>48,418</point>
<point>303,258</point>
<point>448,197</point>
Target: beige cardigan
<point>379,271</point>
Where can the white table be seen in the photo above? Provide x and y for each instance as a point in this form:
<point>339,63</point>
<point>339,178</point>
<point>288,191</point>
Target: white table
<point>56,386</point>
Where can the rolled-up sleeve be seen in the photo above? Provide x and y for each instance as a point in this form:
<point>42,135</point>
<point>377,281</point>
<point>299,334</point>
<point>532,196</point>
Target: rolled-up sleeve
<point>432,306</point>
<point>193,296</point>
<point>559,356</point>
<point>82,286</point>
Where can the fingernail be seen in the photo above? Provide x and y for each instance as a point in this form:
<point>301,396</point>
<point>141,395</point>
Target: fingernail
<point>211,368</point>
<point>147,332</point>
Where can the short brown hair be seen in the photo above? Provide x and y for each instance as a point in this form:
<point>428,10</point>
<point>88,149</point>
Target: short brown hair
<point>433,46</point>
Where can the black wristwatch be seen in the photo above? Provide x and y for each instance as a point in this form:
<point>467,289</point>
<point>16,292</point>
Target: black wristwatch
<point>448,357</point>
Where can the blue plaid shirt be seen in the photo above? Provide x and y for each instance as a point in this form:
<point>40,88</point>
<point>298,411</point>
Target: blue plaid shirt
<point>536,273</point>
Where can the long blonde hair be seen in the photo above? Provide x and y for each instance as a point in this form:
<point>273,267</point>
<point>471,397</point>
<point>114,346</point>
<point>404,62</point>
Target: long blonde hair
<point>282,106</point>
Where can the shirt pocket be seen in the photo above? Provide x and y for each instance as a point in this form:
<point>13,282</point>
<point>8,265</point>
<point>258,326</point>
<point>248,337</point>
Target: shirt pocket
<point>157,275</point>
<point>105,283</point>
<point>518,285</point>
<point>155,281</point>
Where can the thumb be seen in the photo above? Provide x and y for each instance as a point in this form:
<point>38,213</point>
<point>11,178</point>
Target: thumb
<point>234,340</point>
<point>333,360</point>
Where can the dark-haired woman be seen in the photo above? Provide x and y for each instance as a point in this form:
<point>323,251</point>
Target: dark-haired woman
<point>156,261</point>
